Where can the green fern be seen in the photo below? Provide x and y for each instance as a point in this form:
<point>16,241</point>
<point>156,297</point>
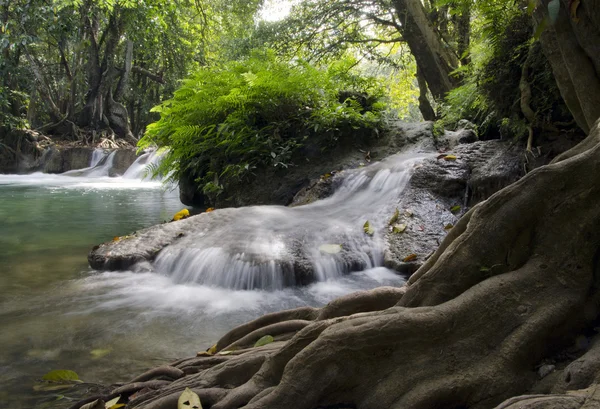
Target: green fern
<point>224,122</point>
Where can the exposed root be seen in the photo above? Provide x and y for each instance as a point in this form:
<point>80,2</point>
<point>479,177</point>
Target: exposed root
<point>167,371</point>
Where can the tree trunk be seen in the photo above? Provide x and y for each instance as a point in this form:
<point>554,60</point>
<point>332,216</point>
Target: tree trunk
<point>463,34</point>
<point>573,49</point>
<point>432,56</point>
<point>424,104</point>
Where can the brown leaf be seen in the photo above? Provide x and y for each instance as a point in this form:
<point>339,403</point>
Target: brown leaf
<point>410,258</point>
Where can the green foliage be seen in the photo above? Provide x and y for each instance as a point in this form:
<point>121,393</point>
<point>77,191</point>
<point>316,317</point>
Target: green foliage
<point>225,121</point>
<point>490,95</point>
<point>9,100</point>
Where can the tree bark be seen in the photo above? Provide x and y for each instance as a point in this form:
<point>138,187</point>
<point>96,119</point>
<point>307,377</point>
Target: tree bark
<point>433,58</point>
<point>424,104</point>
<point>573,51</point>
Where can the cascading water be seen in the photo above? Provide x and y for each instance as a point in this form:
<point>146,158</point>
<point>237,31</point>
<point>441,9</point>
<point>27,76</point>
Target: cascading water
<point>100,165</point>
<point>97,156</point>
<point>142,167</point>
<point>271,247</point>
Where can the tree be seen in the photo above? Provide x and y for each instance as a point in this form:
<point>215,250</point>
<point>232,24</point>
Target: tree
<point>101,65</point>
<point>319,29</point>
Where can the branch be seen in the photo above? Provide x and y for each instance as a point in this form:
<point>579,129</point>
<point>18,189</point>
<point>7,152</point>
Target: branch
<point>147,73</point>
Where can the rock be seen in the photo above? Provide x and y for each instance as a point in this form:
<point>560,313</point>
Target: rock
<point>465,124</point>
<point>59,160</point>
<point>545,370</point>
<point>122,161</point>
<point>439,185</point>
<point>321,188</point>
<point>451,139</point>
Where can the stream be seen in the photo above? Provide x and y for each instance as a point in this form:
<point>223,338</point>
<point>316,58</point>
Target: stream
<point>58,313</point>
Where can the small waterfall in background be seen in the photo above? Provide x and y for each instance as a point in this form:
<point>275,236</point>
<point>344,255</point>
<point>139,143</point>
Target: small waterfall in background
<point>103,167</point>
<point>269,247</point>
<point>144,165</point>
<point>102,162</point>
<point>100,165</point>
<point>97,156</point>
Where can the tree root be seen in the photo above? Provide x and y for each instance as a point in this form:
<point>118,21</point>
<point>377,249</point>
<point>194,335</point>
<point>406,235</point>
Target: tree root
<point>166,371</point>
<point>513,283</point>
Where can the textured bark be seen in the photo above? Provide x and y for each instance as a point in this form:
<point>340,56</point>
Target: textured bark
<point>424,105</point>
<point>573,49</point>
<point>433,58</point>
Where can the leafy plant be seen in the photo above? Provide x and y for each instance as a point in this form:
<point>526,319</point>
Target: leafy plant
<point>226,121</point>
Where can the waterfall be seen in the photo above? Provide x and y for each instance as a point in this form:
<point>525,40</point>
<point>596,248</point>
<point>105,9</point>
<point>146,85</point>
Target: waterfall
<point>268,247</point>
<point>100,165</point>
<point>97,156</point>
<point>143,166</point>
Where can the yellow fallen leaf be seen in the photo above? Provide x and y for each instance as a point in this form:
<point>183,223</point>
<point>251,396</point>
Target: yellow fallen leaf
<point>189,400</point>
<point>326,176</point>
<point>410,258</point>
<point>99,353</point>
<point>182,214</point>
<point>368,229</point>
<point>399,228</point>
<point>116,238</point>
<point>448,226</point>
<point>210,209</point>
<point>204,353</point>
<point>212,350</point>
<point>112,403</point>
<point>455,209</point>
<point>267,339</point>
<point>573,5</point>
<point>450,157</point>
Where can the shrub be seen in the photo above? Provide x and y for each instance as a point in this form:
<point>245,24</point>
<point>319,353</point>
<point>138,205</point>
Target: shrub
<point>226,121</point>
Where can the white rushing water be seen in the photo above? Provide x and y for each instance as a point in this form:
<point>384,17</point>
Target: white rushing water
<point>273,247</point>
<point>143,166</point>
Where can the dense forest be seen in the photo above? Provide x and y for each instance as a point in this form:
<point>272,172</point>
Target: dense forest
<point>246,90</point>
<point>500,309</point>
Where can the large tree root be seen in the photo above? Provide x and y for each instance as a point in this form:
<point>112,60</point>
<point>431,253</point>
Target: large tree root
<point>514,283</point>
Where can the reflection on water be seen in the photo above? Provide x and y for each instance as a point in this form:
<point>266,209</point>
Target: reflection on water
<point>55,313</point>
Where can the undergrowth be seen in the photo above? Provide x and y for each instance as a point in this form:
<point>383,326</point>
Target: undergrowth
<point>224,122</point>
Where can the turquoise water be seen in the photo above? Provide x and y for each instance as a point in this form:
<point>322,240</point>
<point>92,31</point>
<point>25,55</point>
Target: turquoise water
<point>56,313</point>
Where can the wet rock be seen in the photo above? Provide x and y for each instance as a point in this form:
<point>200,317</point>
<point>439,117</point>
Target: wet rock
<point>60,160</point>
<point>451,139</point>
<point>283,250</point>
<point>430,215</point>
<point>440,186</point>
<point>122,161</point>
<point>545,370</point>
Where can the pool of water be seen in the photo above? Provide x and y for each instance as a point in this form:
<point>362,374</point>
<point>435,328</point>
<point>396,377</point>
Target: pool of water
<point>57,313</point>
